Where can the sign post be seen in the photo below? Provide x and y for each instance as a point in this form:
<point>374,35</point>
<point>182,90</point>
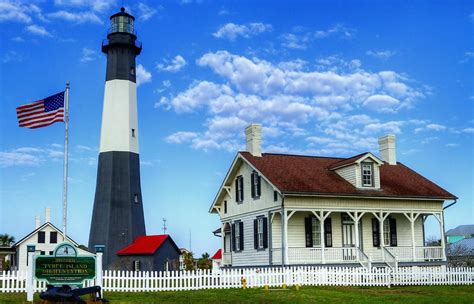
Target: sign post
<point>99,251</point>
<point>29,279</point>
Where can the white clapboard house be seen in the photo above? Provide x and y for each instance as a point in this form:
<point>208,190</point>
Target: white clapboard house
<point>45,237</point>
<point>279,209</point>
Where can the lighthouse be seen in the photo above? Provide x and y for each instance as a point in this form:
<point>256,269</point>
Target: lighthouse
<point>117,217</point>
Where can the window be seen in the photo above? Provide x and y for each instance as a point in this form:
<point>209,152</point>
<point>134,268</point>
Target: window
<point>53,237</point>
<point>42,252</point>
<point>135,198</point>
<point>51,252</point>
<point>239,189</point>
<point>41,237</point>
<point>133,132</point>
<point>238,236</point>
<point>260,232</point>
<point>275,196</point>
<point>132,71</point>
<point>256,189</point>
<point>136,265</point>
<point>316,231</point>
<point>386,232</point>
<point>225,206</point>
<point>237,239</point>
<point>367,175</point>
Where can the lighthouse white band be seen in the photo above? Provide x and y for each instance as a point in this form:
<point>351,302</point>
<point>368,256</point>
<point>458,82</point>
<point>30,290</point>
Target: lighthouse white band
<point>119,117</point>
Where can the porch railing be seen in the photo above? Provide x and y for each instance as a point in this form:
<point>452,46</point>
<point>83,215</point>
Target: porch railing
<point>364,260</point>
<point>389,258</point>
<point>276,256</point>
<point>422,253</point>
<point>313,255</point>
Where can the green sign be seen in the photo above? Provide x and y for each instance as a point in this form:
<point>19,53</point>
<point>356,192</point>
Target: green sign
<point>65,267</point>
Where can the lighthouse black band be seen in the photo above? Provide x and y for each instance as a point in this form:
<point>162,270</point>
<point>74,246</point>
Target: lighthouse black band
<point>121,50</point>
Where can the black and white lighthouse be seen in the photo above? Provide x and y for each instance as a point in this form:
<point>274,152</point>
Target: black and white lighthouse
<point>117,217</point>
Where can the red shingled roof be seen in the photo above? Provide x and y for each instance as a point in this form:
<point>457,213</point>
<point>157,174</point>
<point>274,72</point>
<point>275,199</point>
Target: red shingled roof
<point>311,174</point>
<point>217,255</point>
<point>145,245</point>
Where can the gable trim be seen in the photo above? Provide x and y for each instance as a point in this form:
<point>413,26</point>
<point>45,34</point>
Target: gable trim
<point>358,161</point>
<point>41,227</point>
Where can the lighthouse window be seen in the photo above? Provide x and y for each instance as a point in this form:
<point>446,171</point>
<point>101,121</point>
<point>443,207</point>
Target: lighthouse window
<point>135,198</point>
<point>132,71</point>
<point>133,132</point>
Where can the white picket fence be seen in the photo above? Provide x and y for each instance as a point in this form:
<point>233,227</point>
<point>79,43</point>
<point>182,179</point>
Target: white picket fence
<point>136,281</point>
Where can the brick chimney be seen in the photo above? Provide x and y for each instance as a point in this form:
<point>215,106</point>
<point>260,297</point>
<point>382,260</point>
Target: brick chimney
<point>388,151</point>
<point>253,138</point>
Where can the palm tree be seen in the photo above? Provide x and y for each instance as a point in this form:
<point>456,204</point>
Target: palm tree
<point>6,239</point>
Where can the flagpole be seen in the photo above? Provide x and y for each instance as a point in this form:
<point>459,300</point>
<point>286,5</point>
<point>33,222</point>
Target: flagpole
<point>66,140</point>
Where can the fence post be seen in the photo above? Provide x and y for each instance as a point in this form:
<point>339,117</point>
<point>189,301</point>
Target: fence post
<point>98,271</point>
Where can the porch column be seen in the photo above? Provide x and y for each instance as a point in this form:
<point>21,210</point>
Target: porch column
<point>284,240</point>
<point>412,218</point>
<point>381,217</point>
<point>356,218</point>
<point>442,235</point>
<point>321,218</point>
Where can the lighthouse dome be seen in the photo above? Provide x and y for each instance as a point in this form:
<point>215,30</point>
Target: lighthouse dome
<point>122,22</point>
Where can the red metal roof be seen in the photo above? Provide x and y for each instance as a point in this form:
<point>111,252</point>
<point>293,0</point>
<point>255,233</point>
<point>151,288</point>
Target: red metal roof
<point>311,174</point>
<point>145,245</point>
<point>217,255</point>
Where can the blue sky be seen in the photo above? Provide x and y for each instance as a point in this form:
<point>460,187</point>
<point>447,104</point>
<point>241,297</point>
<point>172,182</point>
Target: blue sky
<point>323,77</point>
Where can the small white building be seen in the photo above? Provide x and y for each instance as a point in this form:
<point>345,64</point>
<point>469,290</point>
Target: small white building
<point>45,237</point>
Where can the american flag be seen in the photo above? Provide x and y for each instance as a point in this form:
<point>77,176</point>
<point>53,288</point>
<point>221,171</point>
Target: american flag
<point>41,113</point>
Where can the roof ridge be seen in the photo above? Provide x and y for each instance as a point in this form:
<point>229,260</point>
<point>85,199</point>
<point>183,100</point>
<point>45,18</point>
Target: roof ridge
<point>297,155</point>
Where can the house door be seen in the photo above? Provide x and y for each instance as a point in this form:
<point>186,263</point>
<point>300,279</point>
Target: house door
<point>348,239</point>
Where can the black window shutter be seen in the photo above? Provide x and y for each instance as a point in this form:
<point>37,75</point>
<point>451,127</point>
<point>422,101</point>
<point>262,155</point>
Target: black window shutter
<point>241,227</point>
<point>233,238</point>
<point>375,232</point>
<point>259,186</point>
<point>393,232</point>
<point>265,233</point>
<point>308,231</point>
<point>242,188</point>
<point>328,232</point>
<point>255,234</point>
<point>237,189</point>
<point>252,181</point>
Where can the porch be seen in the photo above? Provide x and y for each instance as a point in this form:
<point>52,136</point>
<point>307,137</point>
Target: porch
<point>352,237</point>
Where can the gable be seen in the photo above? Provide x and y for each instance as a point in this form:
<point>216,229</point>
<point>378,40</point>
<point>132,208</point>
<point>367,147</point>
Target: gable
<point>226,189</point>
<point>40,228</point>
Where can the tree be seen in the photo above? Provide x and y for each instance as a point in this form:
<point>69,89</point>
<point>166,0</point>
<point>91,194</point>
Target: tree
<point>433,241</point>
<point>188,260</point>
<point>6,239</point>
<point>460,256</point>
<point>205,262</point>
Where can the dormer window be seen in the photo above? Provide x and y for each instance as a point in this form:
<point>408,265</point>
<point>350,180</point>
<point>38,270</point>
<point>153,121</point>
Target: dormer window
<point>367,175</point>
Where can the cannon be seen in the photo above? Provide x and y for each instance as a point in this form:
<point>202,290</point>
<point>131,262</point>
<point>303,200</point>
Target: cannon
<point>65,294</point>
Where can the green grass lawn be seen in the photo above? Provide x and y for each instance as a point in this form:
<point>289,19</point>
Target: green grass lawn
<point>327,294</point>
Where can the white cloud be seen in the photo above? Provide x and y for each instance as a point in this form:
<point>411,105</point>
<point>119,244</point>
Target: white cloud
<point>435,127</point>
<point>468,130</point>
<point>175,65</point>
<point>77,17</point>
<point>18,39</point>
<point>381,103</point>
<point>231,31</point>
<point>223,12</point>
<point>38,30</point>
<point>295,41</point>
<point>146,12</point>
<point>386,54</point>
<point>14,11</point>
<point>94,5</point>
<point>338,30</point>
<point>88,55</point>
<point>290,100</point>
<point>143,76</point>
<point>452,145</point>
<point>12,56</point>
<point>28,156</point>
